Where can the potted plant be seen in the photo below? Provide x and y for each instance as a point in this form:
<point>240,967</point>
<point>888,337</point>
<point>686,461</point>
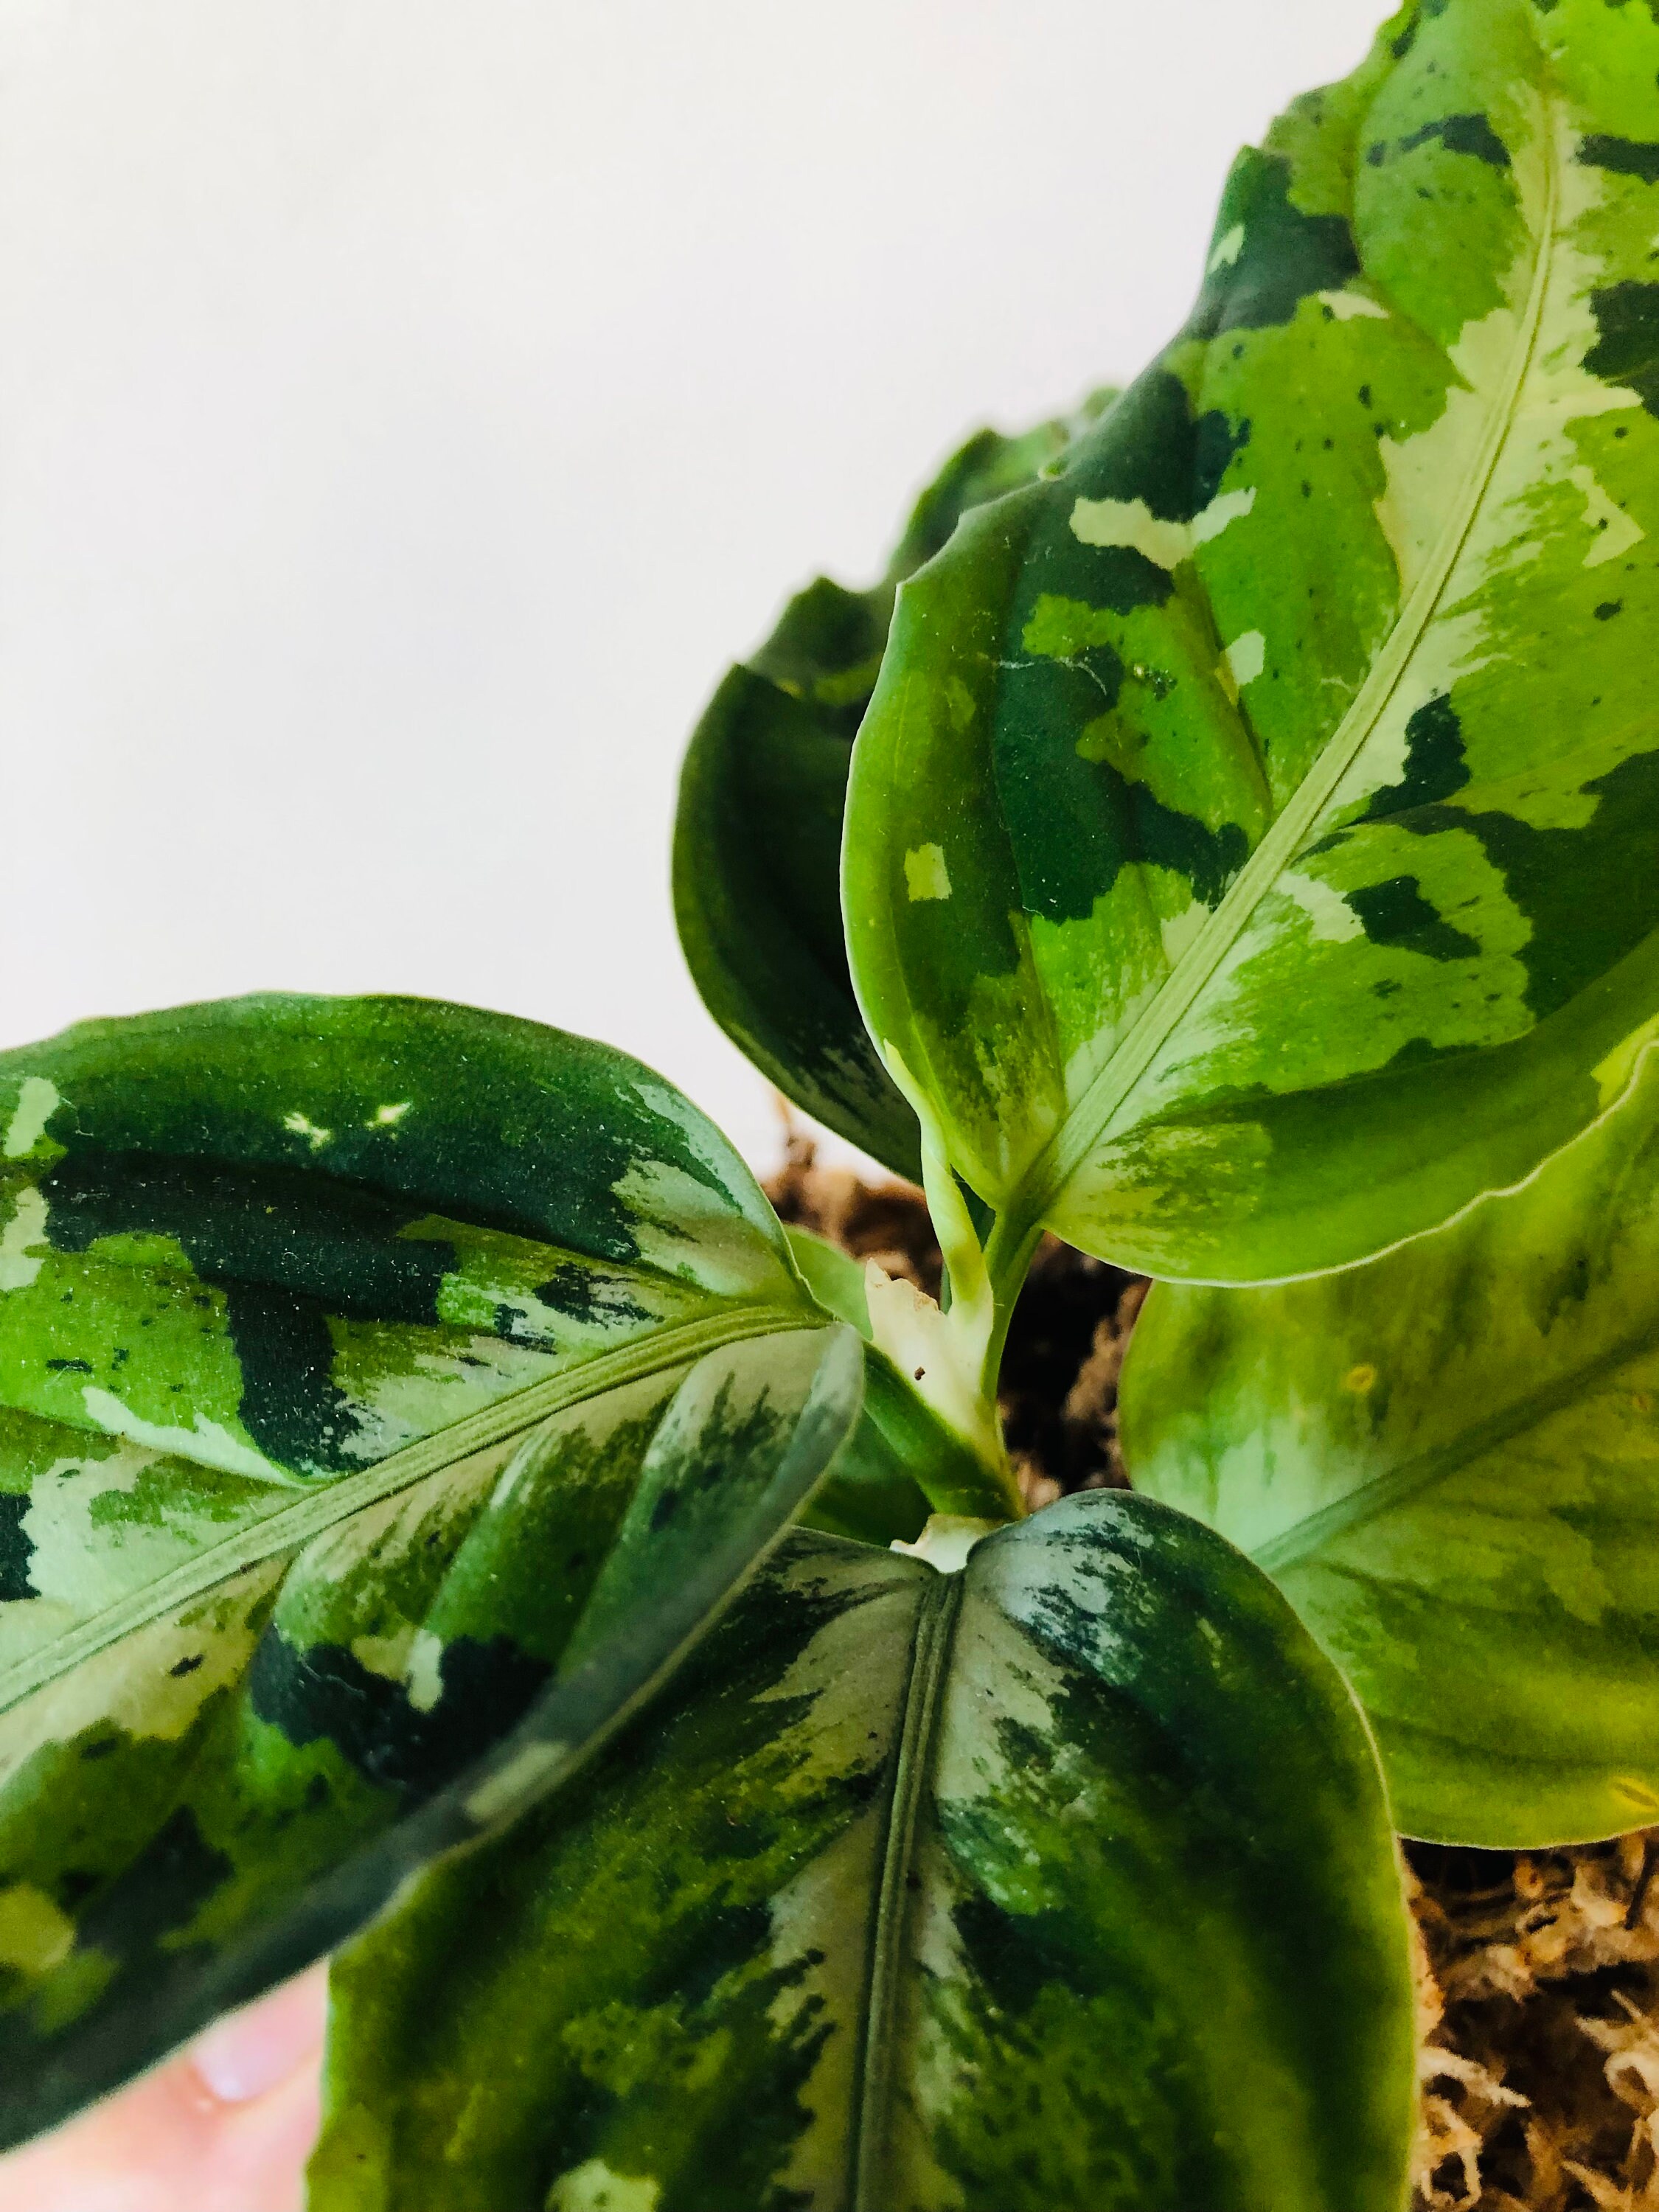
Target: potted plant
<point>445,1514</point>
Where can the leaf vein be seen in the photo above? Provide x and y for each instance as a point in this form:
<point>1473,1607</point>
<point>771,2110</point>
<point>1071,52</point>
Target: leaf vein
<point>1092,1119</point>
<point>314,1514</point>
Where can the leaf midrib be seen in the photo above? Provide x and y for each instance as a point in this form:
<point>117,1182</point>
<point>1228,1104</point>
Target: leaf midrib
<point>314,1514</point>
<point>1089,1121</point>
<point>871,2132</point>
<point>1369,1500</point>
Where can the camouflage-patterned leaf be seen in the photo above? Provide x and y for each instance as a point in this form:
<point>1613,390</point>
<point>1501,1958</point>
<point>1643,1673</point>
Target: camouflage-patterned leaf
<point>757,839</point>
<point>1250,843</point>
<point>1063,1884</point>
<point>1448,1460</point>
<point>388,1393</point>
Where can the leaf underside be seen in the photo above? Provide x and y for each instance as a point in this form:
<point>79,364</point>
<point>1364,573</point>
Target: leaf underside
<point>1448,1460</point>
<point>1250,842</point>
<point>388,1393</point>
<point>873,1913</point>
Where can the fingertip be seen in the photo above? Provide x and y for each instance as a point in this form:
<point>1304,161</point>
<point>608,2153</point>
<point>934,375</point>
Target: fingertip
<point>227,2126</point>
<point>251,2051</point>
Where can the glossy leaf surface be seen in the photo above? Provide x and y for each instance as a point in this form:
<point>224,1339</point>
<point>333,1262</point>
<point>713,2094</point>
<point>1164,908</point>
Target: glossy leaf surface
<point>757,838</point>
<point>1249,844</point>
<point>1063,1884</point>
<point>1448,1460</point>
<point>388,1393</point>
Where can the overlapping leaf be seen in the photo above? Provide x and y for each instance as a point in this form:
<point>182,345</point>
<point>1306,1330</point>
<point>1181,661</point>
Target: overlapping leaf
<point>1063,1882</point>
<point>388,1393</point>
<point>757,839</point>
<point>1449,1460</point>
<point>1250,843</point>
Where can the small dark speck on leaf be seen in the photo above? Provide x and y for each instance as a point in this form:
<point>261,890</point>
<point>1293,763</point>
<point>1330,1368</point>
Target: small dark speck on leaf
<point>921,1372</point>
<point>69,1366</point>
<point>1608,609</point>
<point>187,1666</point>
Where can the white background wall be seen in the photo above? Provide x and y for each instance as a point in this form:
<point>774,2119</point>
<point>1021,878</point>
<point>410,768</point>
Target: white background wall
<point>408,407</point>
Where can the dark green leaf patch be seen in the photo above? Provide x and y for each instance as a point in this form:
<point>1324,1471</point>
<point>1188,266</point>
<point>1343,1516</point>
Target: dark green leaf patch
<point>1395,912</point>
<point>1435,762</point>
<point>349,1254</point>
<point>1284,254</point>
<point>451,1111</point>
<point>1572,941</point>
<point>325,1691</point>
<point>1621,157</point>
<point>1627,349</point>
<point>16,1548</point>
<point>1458,134</point>
<point>1110,822</point>
<point>1149,447</point>
<point>283,1262</point>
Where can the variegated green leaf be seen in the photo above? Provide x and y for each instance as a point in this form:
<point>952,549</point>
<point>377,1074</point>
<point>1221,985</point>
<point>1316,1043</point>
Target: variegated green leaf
<point>1250,844</point>
<point>1063,1884</point>
<point>1448,1460</point>
<point>757,838</point>
<point>389,1393</point>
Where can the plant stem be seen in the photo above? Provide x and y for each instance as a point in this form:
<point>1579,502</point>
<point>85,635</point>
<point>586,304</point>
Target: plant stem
<point>1008,1253</point>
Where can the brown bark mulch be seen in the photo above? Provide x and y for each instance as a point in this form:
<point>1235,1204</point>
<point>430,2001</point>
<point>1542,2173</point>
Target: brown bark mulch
<point>1538,1971</point>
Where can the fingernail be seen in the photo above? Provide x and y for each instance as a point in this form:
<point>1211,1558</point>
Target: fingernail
<point>252,2051</point>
